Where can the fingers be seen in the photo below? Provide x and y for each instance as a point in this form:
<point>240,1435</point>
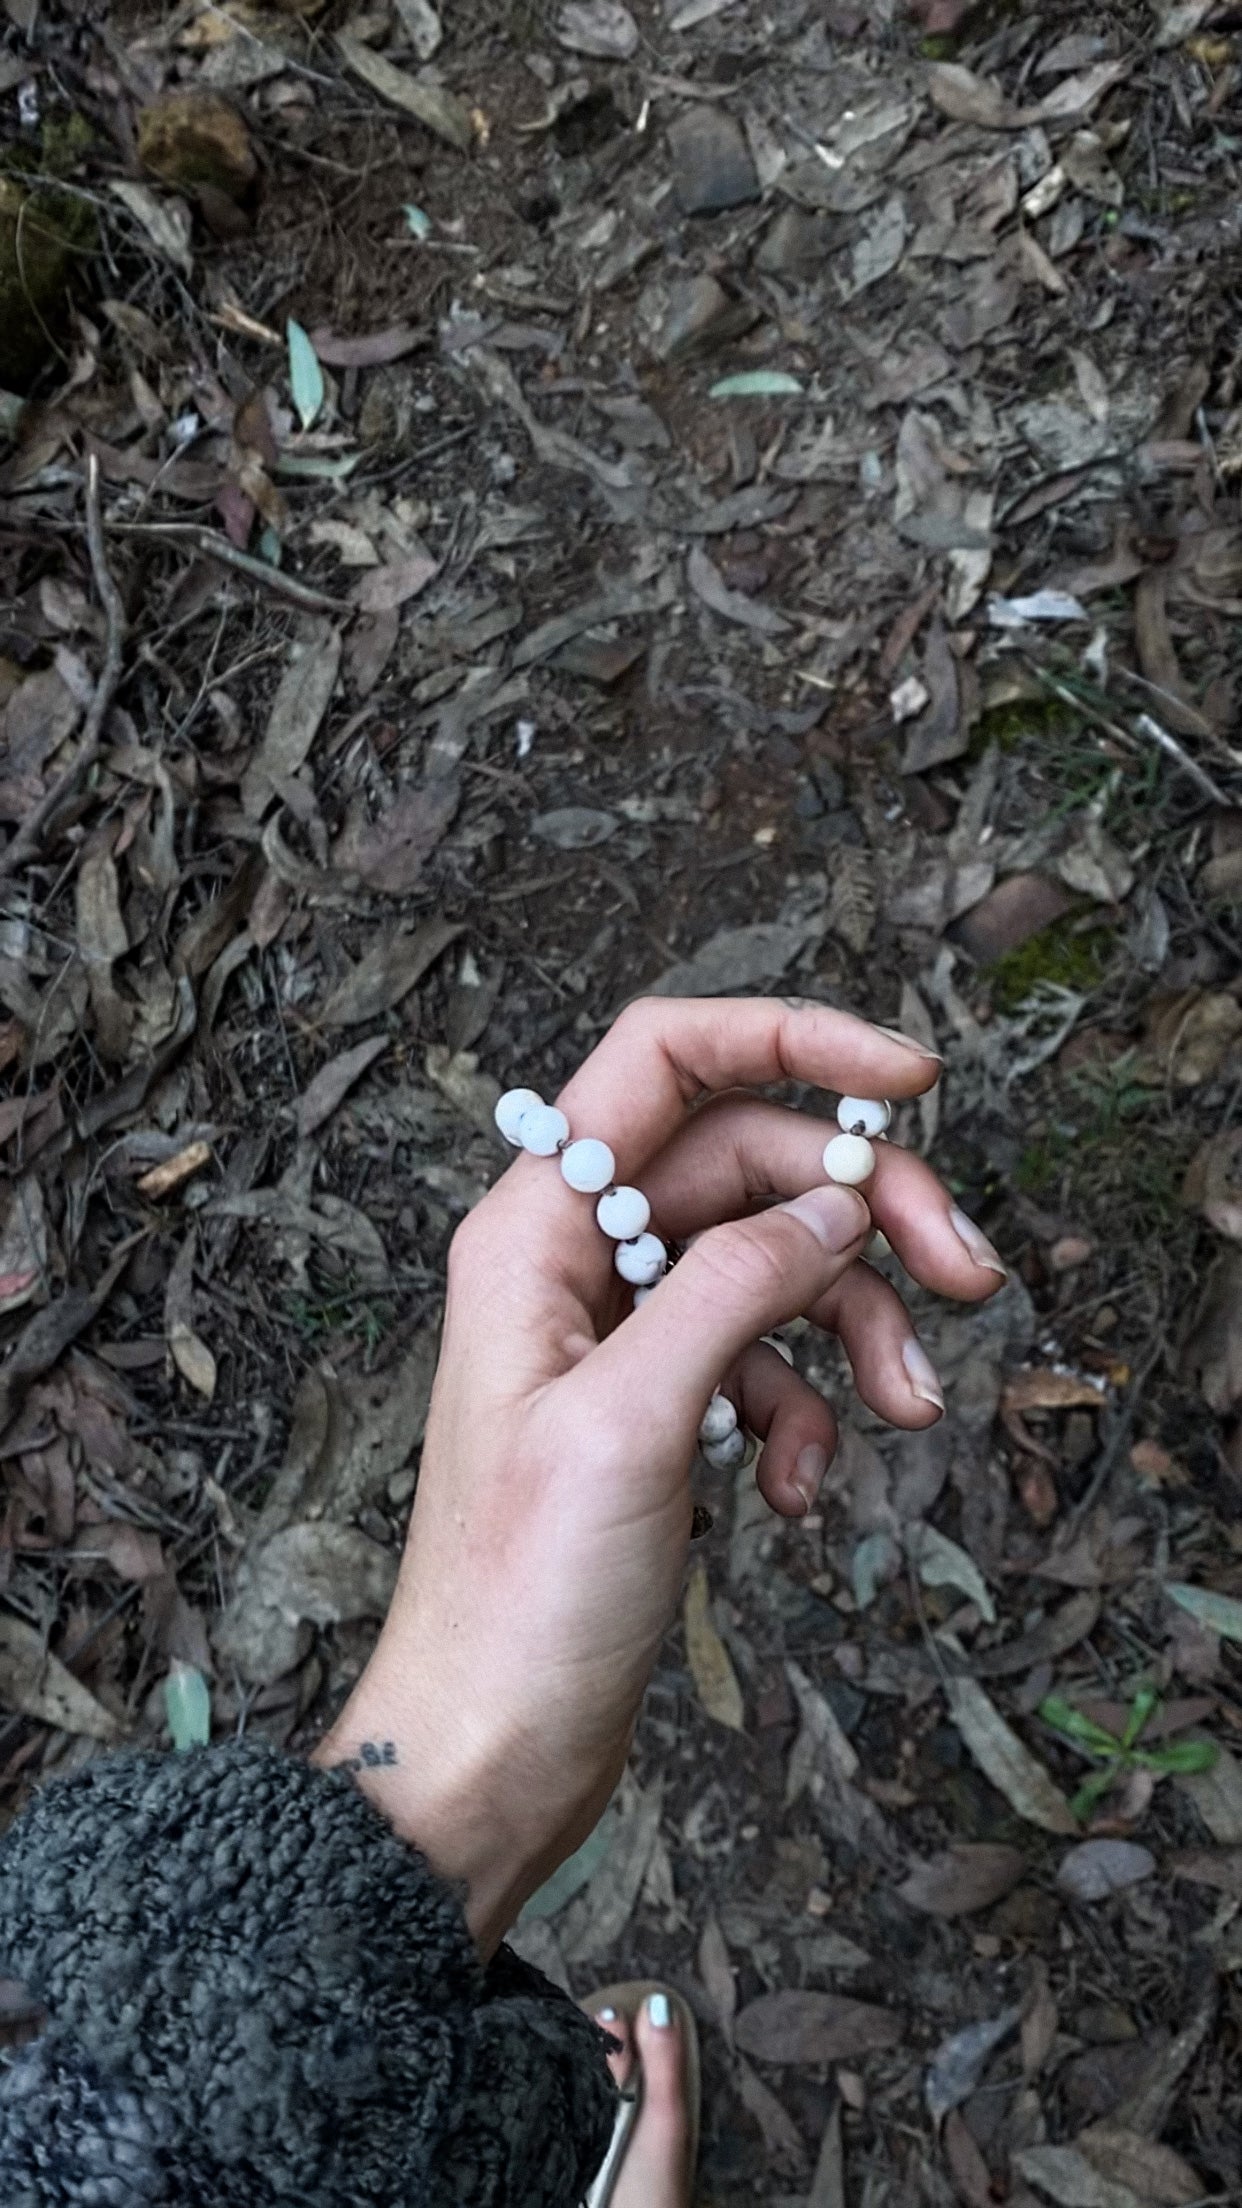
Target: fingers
<point>798,1429</point>
<point>892,1371</point>
<point>741,1151</point>
<point>736,1283</point>
<point>664,1053</point>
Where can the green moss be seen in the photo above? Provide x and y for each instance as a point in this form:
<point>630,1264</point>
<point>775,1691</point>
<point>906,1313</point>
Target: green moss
<point>1070,954</point>
<point>66,140</point>
<point>44,234</point>
<point>1040,722</point>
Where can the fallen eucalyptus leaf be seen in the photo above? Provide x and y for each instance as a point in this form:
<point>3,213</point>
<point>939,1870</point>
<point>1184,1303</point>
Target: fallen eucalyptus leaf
<point>708,1657</point>
<point>958,2063</point>
<point>942,1563</point>
<point>962,1879</point>
<point>1006,1761</point>
<point>305,374</point>
<point>439,111</point>
<point>814,2027</point>
<point>187,1700</point>
<point>1220,1613</point>
<point>756,383</point>
<point>37,1684</point>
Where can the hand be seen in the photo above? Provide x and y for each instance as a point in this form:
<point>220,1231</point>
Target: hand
<point>550,1526</point>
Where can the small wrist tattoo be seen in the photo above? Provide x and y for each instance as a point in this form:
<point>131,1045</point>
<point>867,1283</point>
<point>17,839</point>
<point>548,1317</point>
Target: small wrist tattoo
<point>373,1755</point>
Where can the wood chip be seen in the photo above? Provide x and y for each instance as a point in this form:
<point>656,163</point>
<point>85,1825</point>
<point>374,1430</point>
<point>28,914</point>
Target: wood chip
<point>163,1179</point>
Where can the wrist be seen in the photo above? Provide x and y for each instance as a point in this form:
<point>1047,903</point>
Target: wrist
<point>441,1798</point>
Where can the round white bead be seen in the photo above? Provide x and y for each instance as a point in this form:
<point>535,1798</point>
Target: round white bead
<point>719,1419</point>
<point>641,1295</point>
<point>542,1130</point>
<point>726,1455</point>
<point>588,1165</point>
<point>623,1213</point>
<point>850,1160</point>
<point>642,1261</point>
<point>512,1109</point>
<point>864,1115</point>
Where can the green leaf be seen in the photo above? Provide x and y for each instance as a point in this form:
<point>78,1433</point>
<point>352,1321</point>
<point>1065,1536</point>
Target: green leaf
<point>757,383</point>
<point>1145,1701</point>
<point>1181,1757</point>
<point>570,1876</point>
<point>1064,1718</point>
<point>1220,1613</point>
<point>188,1703</point>
<point>418,223</point>
<point>305,374</point>
<point>1091,1791</point>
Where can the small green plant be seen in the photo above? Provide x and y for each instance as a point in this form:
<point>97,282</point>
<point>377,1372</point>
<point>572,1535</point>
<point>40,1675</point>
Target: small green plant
<point>1068,955</point>
<point>352,1311</point>
<point>1117,1754</point>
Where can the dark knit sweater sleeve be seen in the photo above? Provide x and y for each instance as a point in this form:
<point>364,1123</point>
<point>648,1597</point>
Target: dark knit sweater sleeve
<point>257,1994</point>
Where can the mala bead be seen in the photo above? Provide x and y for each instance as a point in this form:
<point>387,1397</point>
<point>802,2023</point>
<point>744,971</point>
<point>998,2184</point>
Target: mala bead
<point>864,1115</point>
<point>511,1110</point>
<point>849,1160</point>
<point>641,1295</point>
<point>623,1213</point>
<point>542,1130</point>
<point>641,1261</point>
<point>588,1166</point>
<point>718,1420</point>
<point>726,1455</point>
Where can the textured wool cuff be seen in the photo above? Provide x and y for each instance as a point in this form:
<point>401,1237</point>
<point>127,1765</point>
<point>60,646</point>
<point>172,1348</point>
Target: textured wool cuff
<point>256,1993</point>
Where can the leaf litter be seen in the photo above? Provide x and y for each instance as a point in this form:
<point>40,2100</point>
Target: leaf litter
<point>511,626</point>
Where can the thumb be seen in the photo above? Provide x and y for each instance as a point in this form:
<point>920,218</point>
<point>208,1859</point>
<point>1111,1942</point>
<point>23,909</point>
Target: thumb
<point>735,1283</point>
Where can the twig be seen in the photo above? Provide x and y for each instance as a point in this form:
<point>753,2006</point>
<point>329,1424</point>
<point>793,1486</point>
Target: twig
<point>215,547</point>
<point>1145,726</point>
<point>26,842</point>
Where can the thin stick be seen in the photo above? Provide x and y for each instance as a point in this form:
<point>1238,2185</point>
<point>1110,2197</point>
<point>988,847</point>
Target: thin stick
<point>26,842</point>
<point>215,547</point>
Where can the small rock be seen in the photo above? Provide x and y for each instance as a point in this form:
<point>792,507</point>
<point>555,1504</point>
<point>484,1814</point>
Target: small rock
<point>808,804</point>
<point>575,827</point>
<point>796,244</point>
<point>1010,914</point>
<point>689,313</point>
<point>1097,1868</point>
<point>1070,1250</point>
<point>712,167</point>
<point>196,141</point>
<point>602,28</point>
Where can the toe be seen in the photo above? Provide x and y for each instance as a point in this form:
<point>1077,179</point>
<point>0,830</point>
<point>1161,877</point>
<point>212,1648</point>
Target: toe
<point>662,2053</point>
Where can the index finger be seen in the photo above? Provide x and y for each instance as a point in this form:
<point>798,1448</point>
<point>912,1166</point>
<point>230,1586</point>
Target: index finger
<point>664,1053</point>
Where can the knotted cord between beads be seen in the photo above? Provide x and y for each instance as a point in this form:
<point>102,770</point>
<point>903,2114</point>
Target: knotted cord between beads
<point>624,1214</point>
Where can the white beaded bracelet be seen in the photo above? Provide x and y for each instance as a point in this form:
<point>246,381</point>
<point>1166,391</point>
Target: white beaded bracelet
<point>624,1214</point>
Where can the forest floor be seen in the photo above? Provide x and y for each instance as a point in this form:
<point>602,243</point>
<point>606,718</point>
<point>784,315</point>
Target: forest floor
<point>506,511</point>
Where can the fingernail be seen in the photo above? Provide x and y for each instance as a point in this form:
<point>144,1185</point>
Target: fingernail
<point>921,1373</point>
<point>908,1042</point>
<point>659,2011</point>
<point>836,1216</point>
<point>809,1471</point>
<point>605,2016</point>
<point>975,1240</point>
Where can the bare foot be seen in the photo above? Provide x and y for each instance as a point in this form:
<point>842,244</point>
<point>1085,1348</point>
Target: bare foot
<point>654,2173</point>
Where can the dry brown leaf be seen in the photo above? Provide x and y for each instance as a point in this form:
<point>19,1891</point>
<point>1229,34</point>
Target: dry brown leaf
<point>303,695</point>
<point>1217,1795</point>
<point>389,854</point>
<point>1213,1183</point>
<point>707,583</point>
<point>971,2176</point>
<point>781,2136</point>
<point>374,350</point>
<point>828,2183</point>
<point>102,938</point>
<point>814,2027</point>
<point>384,589</point>
<point>1159,2176</point>
<point>388,972</point>
<point>716,1972</point>
<point>1006,1761</point>
<point>1042,1388</point>
<point>438,110</point>
<point>306,1575</point>
<point>962,1879</point>
<point>132,1554</point>
<point>1218,1867</point>
<point>597,1918</point>
<point>1212,1352</point>
<point>330,1086</point>
<point>1191,1038</point>
<point>708,1657</point>
<point>824,1765</point>
<point>190,1353</point>
<point>163,1179</point>
<point>37,1684</point>
<point>1158,657</point>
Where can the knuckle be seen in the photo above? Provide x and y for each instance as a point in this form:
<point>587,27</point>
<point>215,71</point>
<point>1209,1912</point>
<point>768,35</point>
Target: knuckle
<point>738,1262</point>
<point>466,1250</point>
